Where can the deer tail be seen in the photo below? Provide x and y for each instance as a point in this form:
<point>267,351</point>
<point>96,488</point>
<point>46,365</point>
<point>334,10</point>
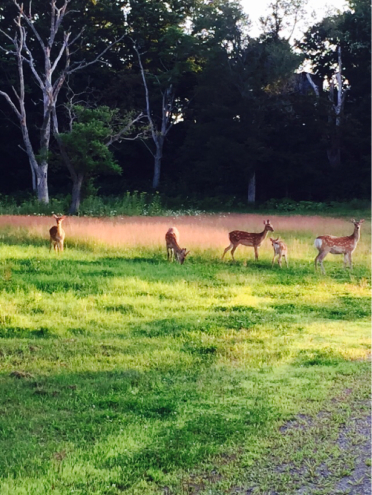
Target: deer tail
<point>318,243</point>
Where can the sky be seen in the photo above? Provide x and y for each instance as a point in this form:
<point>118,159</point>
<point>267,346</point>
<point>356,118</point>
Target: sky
<point>317,9</point>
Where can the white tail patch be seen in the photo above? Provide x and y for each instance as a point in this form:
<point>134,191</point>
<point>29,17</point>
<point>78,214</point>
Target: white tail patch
<point>318,244</point>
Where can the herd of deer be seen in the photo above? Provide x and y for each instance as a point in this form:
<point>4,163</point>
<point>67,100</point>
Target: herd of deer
<point>324,243</point>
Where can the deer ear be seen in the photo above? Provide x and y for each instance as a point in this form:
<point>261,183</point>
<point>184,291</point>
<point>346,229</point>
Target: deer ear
<point>55,216</point>
<point>188,252</point>
<point>352,220</point>
<point>264,222</point>
<point>361,221</point>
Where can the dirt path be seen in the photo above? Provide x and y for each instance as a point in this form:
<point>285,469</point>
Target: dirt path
<point>329,454</point>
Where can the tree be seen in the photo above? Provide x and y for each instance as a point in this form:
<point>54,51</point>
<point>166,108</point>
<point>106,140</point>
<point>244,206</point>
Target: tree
<point>339,49</point>
<point>85,148</point>
<point>46,54</point>
<point>166,55</point>
<point>283,19</point>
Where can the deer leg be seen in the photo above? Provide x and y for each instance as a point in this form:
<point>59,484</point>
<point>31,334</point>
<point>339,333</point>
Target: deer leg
<point>321,257</point>
<point>286,260</point>
<point>233,251</point>
<point>227,249</point>
<point>280,260</point>
<point>346,260</point>
<point>256,253</point>
<point>272,263</point>
<point>350,262</point>
<point>317,260</point>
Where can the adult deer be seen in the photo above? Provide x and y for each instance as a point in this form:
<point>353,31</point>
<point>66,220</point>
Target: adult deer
<point>280,250</point>
<point>338,245</point>
<point>57,235</point>
<point>172,239</point>
<point>247,239</point>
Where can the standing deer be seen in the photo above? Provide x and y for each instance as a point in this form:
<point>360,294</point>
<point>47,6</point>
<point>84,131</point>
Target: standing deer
<point>57,235</point>
<point>338,245</point>
<point>280,250</point>
<point>247,239</point>
<point>172,239</point>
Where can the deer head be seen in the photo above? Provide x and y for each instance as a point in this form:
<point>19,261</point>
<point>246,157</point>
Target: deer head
<point>59,220</point>
<point>273,241</point>
<point>182,255</point>
<point>356,223</point>
<point>268,226</point>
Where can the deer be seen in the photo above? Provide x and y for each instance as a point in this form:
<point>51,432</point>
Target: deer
<point>338,245</point>
<point>280,250</point>
<point>247,239</point>
<point>172,239</point>
<point>57,234</point>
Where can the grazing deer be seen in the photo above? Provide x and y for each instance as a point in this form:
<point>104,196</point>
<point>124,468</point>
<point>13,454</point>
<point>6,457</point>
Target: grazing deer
<point>57,235</point>
<point>247,239</point>
<point>280,250</point>
<point>338,245</point>
<point>172,238</point>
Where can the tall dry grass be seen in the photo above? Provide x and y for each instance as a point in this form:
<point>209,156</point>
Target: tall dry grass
<point>199,232</point>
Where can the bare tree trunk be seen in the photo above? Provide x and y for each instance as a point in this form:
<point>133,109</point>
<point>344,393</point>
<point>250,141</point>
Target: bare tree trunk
<point>252,189</point>
<point>76,194</point>
<point>42,183</point>
<point>157,164</point>
<point>33,175</point>
<point>158,135</point>
<point>338,103</point>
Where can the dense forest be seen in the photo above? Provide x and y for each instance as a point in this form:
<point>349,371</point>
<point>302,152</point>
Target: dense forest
<point>102,97</point>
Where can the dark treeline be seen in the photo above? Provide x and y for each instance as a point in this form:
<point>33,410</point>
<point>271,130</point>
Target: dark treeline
<point>177,97</point>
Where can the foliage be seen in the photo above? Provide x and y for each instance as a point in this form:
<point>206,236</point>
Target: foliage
<point>236,105</point>
<point>142,203</point>
<point>86,143</point>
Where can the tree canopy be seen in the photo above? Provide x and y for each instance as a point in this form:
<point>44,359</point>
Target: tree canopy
<point>223,111</point>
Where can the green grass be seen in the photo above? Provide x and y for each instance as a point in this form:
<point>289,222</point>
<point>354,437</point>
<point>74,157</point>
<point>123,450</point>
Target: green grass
<point>121,372</point>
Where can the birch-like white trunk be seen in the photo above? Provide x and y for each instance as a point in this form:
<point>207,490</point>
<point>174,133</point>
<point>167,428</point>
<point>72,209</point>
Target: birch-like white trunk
<point>334,147</point>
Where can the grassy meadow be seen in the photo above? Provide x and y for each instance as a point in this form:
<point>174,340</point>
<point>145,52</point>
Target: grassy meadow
<point>120,372</point>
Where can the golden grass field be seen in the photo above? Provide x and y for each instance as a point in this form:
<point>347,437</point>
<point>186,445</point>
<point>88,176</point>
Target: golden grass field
<point>197,232</point>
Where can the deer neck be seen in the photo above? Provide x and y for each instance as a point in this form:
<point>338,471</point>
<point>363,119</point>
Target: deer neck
<point>356,234</point>
<point>176,246</point>
<point>59,229</point>
<point>264,233</point>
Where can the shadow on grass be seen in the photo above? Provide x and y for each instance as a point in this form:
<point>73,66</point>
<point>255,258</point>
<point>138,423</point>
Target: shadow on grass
<point>138,421</point>
<point>135,425</point>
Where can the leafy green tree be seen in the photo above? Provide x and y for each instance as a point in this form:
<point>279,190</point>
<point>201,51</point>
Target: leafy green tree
<point>85,148</point>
